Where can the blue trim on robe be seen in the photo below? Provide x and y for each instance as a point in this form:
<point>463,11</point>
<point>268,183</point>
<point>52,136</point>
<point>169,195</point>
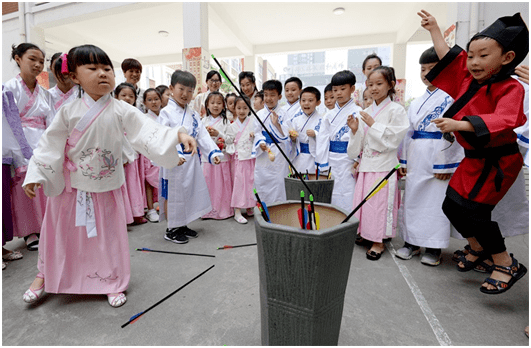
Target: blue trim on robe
<point>211,154</point>
<point>164,188</point>
<point>305,148</point>
<point>403,162</point>
<point>322,165</point>
<point>426,135</point>
<point>445,166</point>
<point>522,138</point>
<point>338,146</point>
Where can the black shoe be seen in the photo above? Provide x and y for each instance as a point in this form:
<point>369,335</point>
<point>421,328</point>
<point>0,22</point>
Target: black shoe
<point>189,232</point>
<point>175,235</point>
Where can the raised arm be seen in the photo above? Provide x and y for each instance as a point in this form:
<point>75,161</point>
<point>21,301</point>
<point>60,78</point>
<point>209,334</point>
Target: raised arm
<point>429,23</point>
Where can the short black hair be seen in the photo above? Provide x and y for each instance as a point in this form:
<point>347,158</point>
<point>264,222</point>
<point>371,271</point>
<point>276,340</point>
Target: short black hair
<point>23,48</point>
<point>87,54</point>
<point>259,94</point>
<point>369,57</point>
<point>184,78</point>
<point>328,88</point>
<point>429,56</point>
<point>125,85</point>
<point>161,89</point>
<point>345,77</point>
<point>131,63</point>
<point>294,79</point>
<point>271,85</point>
<point>312,90</point>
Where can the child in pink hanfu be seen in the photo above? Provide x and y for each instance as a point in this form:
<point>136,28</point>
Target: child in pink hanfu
<point>149,173</point>
<point>84,247</point>
<point>65,91</point>
<point>218,177</point>
<point>376,139</point>
<point>133,183</point>
<point>36,113</point>
<point>240,141</point>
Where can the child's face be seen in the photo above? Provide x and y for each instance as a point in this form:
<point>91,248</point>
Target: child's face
<point>165,97</point>
<point>292,92</point>
<point>247,87</point>
<point>370,65</point>
<point>378,87</point>
<point>181,94</point>
<point>485,58</point>
<point>271,98</point>
<point>367,99</point>
<point>329,100</point>
<point>230,104</point>
<point>215,105</point>
<point>96,80</point>
<point>424,70</point>
<point>242,110</point>
<point>258,103</point>
<point>127,95</point>
<point>132,76</point>
<point>342,93</point>
<point>309,102</point>
<point>153,102</point>
<point>31,63</point>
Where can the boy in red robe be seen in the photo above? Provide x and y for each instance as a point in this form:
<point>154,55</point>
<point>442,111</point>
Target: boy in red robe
<point>488,107</point>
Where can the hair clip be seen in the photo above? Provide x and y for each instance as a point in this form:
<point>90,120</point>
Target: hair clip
<point>64,64</point>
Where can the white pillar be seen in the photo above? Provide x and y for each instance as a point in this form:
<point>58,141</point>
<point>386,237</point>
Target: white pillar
<point>249,63</point>
<point>196,58</point>
<point>399,60</point>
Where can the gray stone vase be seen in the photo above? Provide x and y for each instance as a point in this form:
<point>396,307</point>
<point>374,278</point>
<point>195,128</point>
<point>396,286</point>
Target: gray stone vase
<point>303,274</point>
<point>321,189</point>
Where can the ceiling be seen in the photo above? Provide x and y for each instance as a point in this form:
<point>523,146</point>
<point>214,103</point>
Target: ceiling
<point>234,28</point>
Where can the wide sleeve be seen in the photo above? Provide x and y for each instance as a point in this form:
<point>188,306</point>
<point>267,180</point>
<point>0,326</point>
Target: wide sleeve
<point>387,136</point>
<point>323,143</point>
<point>447,156</point>
<point>46,165</point>
<point>47,96</point>
<point>153,140</point>
<point>355,142</point>
<point>206,145</point>
<point>508,115</point>
<point>450,72</point>
<point>230,136</point>
<point>404,146</point>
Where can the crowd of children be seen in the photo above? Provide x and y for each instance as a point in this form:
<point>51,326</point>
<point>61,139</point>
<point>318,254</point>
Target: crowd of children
<point>97,158</point>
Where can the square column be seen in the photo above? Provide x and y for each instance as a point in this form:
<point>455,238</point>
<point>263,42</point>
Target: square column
<point>196,58</point>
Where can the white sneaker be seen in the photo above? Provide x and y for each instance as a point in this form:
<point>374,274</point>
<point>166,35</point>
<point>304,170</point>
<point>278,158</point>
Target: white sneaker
<point>240,219</point>
<point>152,216</point>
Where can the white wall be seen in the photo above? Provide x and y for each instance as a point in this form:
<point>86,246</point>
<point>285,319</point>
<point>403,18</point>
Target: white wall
<point>10,36</point>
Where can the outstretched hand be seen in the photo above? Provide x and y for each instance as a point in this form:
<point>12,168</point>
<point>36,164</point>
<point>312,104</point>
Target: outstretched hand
<point>353,123</point>
<point>30,189</point>
<point>428,22</point>
<point>365,117</point>
<point>190,145</point>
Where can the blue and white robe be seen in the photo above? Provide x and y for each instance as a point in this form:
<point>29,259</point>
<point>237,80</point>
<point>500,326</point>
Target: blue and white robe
<point>269,176</point>
<point>184,186</point>
<point>424,154</point>
<point>305,145</point>
<point>332,143</point>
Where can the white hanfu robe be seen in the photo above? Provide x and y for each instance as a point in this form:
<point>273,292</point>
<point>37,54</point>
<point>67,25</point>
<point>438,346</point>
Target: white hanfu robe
<point>184,186</point>
<point>269,176</point>
<point>332,142</point>
<point>378,146</point>
<point>306,145</point>
<point>292,111</point>
<point>59,98</point>
<point>83,247</point>
<point>424,154</point>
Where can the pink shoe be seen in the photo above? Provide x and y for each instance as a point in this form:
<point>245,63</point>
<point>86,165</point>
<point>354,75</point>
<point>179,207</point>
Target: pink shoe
<point>33,295</point>
<point>250,212</point>
<point>116,301</point>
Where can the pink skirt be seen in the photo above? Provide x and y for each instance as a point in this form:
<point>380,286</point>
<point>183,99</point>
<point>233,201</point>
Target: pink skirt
<point>219,182</point>
<point>74,264</point>
<point>150,174</point>
<point>27,213</point>
<point>134,187</point>
<point>378,216</point>
<point>242,193</point>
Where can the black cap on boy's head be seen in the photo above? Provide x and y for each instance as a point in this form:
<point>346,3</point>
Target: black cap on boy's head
<point>345,77</point>
<point>511,33</point>
<point>429,56</point>
<point>271,85</point>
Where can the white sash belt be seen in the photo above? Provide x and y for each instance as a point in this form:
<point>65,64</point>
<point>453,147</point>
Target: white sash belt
<point>85,215</point>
